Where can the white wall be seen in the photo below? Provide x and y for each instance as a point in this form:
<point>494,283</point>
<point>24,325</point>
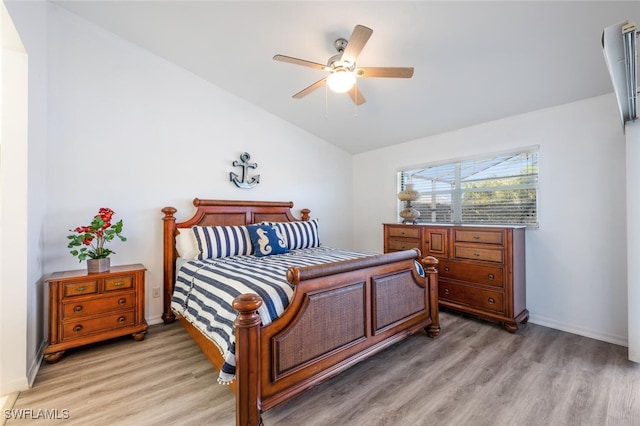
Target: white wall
<point>576,260</point>
<point>13,201</point>
<point>130,131</point>
<point>25,201</point>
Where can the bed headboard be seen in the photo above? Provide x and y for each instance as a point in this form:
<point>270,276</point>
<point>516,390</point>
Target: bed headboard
<point>213,213</point>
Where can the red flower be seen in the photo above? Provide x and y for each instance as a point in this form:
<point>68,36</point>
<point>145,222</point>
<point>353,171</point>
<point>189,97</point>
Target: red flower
<point>100,230</point>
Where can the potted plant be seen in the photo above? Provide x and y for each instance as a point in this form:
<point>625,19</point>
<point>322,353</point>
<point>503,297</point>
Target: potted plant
<point>91,240</point>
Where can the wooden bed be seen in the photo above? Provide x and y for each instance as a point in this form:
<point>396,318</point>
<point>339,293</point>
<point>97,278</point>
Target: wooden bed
<point>383,296</point>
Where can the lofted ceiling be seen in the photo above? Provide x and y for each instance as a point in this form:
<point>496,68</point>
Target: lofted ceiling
<point>475,61</point>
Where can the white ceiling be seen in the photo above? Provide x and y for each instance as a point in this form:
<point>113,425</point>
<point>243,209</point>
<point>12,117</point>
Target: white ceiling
<point>474,61</point>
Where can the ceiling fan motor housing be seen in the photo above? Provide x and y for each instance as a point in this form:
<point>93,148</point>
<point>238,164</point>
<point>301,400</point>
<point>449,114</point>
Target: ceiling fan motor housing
<point>335,62</point>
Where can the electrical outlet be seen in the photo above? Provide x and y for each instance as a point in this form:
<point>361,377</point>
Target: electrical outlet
<point>156,292</point>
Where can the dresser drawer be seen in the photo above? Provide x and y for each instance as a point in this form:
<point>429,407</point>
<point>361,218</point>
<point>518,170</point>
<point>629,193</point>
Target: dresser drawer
<point>483,237</point>
<point>398,244</point>
<point>118,283</point>
<point>481,274</point>
<point>405,231</point>
<point>87,307</point>
<point>79,288</point>
<point>80,328</point>
<point>487,300</point>
<point>479,253</point>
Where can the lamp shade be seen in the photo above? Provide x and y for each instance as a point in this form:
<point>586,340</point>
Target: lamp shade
<point>341,81</point>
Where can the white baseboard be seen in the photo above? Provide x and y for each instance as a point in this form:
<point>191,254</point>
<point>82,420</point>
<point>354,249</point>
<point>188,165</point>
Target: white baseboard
<point>32,371</point>
<point>569,328</point>
<point>155,320</point>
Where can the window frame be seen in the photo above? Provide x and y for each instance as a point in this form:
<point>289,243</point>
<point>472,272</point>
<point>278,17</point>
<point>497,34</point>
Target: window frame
<point>526,185</point>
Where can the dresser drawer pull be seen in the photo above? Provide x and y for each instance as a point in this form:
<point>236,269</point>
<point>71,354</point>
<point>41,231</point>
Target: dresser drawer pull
<point>476,254</point>
<point>122,301</point>
<point>80,289</point>
<point>446,269</point>
<point>447,291</point>
<point>77,308</point>
<point>491,277</point>
<point>476,237</point>
<point>122,319</point>
<point>77,328</point>
<point>491,300</point>
<point>118,284</point>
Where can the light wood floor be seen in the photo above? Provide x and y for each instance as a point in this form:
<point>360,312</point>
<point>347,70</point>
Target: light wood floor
<point>475,373</point>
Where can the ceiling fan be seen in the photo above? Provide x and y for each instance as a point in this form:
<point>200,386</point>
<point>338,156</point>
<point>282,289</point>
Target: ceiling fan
<point>342,68</point>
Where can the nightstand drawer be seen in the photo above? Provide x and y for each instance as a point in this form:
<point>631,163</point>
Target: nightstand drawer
<point>484,237</point>
<point>481,274</point>
<point>397,244</point>
<point>479,253</point>
<point>118,283</point>
<point>406,232</point>
<point>80,288</point>
<point>83,308</point>
<point>80,328</point>
<point>472,296</point>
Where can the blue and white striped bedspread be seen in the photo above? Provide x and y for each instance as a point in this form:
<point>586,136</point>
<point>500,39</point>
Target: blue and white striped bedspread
<point>205,290</point>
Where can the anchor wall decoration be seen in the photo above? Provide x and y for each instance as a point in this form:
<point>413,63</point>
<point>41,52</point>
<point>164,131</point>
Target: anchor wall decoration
<point>245,164</point>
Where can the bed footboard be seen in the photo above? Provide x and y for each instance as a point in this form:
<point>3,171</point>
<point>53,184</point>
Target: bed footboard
<point>340,314</point>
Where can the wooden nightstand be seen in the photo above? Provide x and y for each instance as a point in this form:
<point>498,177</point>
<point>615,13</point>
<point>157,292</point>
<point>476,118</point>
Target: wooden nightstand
<point>88,308</point>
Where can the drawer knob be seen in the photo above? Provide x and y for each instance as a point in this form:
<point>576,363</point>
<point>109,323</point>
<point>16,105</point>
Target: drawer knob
<point>446,269</point>
<point>476,237</point>
<point>80,289</point>
<point>77,328</point>
<point>118,284</point>
<point>77,308</point>
<point>122,319</point>
<point>492,277</point>
<point>476,254</point>
<point>491,300</point>
<point>122,301</point>
<point>447,291</point>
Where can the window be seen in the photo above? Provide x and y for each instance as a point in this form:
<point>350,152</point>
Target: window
<point>501,190</point>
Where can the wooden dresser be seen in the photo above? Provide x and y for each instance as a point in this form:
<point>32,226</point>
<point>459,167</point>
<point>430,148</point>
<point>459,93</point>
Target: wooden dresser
<point>88,308</point>
<point>481,268</point>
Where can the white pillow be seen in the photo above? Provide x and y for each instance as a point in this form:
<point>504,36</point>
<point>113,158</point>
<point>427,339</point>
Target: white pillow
<point>187,245</point>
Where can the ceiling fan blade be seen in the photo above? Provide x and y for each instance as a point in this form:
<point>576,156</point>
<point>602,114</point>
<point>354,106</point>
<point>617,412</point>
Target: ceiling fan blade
<point>391,72</point>
<point>356,95</point>
<point>356,43</point>
<point>296,61</point>
<point>304,92</point>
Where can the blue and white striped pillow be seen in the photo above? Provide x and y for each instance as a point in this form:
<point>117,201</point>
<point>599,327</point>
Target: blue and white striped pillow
<point>300,235</point>
<point>222,241</point>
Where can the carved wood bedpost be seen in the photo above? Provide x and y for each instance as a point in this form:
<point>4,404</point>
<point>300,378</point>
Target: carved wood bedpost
<point>430,264</point>
<point>169,222</point>
<point>248,360</point>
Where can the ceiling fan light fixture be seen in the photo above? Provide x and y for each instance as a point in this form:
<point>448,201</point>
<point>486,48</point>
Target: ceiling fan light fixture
<point>341,81</point>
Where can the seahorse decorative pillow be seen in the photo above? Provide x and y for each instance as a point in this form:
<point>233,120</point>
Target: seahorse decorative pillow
<point>267,240</point>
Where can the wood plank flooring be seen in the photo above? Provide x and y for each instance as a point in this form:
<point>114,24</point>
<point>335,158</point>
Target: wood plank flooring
<point>474,373</point>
